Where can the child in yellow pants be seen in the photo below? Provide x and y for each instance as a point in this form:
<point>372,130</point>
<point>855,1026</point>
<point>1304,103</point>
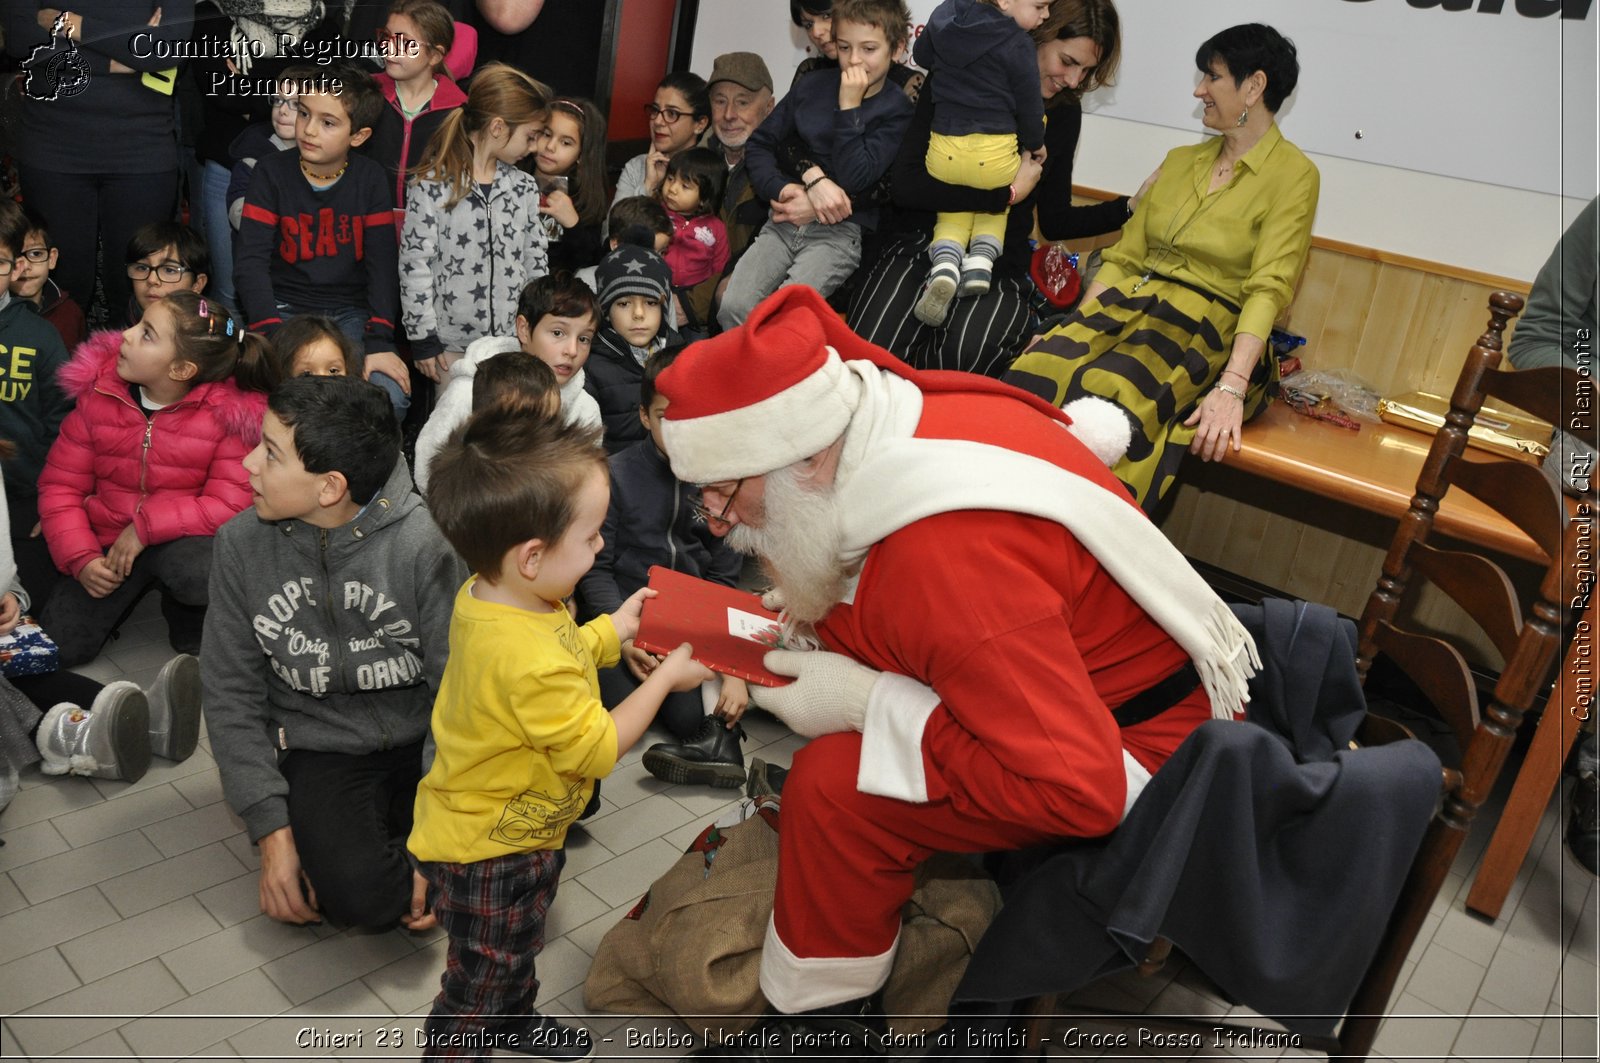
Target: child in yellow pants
<point>987,109</point>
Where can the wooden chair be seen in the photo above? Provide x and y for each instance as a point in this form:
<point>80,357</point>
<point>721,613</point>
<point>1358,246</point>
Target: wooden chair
<point>1528,637</point>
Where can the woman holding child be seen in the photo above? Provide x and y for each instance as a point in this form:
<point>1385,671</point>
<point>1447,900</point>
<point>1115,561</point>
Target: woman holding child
<point>1077,48</point>
<point>1174,327</point>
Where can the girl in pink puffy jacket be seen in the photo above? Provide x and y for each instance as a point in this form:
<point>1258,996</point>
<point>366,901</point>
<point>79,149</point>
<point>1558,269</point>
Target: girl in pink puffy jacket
<point>148,467</point>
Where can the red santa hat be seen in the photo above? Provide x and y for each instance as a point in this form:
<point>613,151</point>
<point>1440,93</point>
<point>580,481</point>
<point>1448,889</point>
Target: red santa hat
<point>775,391</point>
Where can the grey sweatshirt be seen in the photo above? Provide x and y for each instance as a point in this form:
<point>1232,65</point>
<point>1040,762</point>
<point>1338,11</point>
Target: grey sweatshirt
<point>330,640</point>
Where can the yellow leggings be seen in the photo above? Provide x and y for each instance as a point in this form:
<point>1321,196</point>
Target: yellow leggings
<point>977,160</point>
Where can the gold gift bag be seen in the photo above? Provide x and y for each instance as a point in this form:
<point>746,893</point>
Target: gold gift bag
<point>1502,430</point>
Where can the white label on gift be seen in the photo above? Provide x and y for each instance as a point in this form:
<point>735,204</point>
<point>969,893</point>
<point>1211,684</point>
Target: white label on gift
<point>753,628</point>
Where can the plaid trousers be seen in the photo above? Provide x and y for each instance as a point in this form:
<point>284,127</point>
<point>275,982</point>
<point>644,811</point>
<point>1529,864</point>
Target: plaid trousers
<point>493,910</point>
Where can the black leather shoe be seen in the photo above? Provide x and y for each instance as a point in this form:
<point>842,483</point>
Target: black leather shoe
<point>710,757</point>
<point>764,778</point>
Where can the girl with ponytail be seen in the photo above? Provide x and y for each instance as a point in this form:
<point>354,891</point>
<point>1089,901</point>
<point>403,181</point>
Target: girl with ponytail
<point>473,237</point>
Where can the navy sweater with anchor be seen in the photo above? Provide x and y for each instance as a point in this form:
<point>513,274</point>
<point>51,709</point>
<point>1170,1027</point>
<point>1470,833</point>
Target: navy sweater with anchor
<point>318,250</point>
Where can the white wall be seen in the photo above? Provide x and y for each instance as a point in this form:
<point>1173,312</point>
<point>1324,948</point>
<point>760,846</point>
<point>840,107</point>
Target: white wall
<point>1500,107</point>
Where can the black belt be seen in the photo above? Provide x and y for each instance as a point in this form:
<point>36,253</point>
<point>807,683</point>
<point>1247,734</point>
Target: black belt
<point>1228,304</point>
<point>1159,698</point>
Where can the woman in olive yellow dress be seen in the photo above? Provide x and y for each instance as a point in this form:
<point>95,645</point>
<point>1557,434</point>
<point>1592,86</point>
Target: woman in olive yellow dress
<point>1174,327</point>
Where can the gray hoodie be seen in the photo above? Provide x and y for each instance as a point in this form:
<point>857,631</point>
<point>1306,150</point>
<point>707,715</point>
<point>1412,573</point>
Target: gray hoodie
<point>329,640</point>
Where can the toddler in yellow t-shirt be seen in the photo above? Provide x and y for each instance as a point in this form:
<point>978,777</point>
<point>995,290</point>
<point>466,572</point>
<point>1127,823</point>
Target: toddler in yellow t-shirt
<point>520,729</point>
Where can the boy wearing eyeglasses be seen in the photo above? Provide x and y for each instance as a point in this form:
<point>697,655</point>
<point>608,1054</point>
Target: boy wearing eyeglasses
<point>255,142</point>
<point>32,407</point>
<point>30,281</point>
<point>165,257</point>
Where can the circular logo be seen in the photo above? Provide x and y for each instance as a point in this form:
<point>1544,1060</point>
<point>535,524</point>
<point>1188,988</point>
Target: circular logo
<point>66,74</point>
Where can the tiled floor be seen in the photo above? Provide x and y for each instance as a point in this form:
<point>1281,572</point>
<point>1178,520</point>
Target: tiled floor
<point>129,928</point>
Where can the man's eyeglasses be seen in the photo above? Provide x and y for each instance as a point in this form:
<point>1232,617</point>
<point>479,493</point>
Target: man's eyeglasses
<point>167,271</point>
<point>669,115</point>
<point>285,101</point>
<point>36,254</point>
<point>5,266</point>
<point>705,512</point>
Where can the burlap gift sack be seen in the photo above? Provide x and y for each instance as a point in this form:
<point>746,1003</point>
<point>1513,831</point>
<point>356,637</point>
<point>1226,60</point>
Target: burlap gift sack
<point>692,946</point>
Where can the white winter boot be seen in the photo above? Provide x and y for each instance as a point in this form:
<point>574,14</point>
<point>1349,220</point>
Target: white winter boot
<point>175,708</point>
<point>110,740</point>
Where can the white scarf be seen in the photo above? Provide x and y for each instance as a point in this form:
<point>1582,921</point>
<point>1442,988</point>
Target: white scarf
<point>889,479</point>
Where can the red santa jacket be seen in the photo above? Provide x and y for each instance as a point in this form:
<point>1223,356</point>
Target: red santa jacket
<point>177,473</point>
<point>1025,638</point>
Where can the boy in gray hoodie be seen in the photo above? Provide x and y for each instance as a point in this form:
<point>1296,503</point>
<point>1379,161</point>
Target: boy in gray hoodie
<point>325,643</point>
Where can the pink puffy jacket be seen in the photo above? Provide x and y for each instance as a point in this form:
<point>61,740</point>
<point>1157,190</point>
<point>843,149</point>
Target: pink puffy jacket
<point>176,473</point>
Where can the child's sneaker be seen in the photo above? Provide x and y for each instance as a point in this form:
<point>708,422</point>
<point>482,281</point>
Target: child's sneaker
<point>933,302</point>
<point>977,272</point>
<point>109,740</point>
<point>542,1037</point>
<point>175,708</point>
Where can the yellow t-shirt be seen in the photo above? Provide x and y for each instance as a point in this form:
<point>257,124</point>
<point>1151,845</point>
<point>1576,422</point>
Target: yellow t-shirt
<point>1246,242</point>
<point>520,730</point>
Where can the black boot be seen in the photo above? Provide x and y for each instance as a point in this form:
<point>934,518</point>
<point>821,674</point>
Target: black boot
<point>852,1030</point>
<point>1583,828</point>
<point>764,778</point>
<point>709,757</point>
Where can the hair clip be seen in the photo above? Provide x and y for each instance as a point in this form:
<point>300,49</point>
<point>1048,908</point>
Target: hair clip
<point>229,330</point>
<point>204,309</point>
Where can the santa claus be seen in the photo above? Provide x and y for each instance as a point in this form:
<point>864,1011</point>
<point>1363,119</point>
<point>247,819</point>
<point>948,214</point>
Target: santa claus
<point>998,645</point>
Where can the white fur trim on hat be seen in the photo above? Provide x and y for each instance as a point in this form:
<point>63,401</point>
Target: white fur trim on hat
<point>781,429</point>
<point>1101,426</point>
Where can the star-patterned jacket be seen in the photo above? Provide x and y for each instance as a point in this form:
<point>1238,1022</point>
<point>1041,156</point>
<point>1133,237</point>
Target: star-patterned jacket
<point>462,268</point>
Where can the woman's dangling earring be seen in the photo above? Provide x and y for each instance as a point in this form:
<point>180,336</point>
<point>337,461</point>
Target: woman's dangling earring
<point>1244,115</point>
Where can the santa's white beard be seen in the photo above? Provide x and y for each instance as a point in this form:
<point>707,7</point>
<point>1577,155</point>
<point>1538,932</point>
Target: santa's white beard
<point>798,544</point>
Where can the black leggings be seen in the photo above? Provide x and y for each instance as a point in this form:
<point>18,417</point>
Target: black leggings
<point>86,211</point>
<point>681,711</point>
<point>80,624</point>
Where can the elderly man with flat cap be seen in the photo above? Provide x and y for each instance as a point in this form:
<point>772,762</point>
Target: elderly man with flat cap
<point>741,98</point>
<point>992,646</point>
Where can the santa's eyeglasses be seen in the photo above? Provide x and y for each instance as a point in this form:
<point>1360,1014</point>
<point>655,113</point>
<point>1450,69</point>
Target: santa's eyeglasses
<point>725,489</point>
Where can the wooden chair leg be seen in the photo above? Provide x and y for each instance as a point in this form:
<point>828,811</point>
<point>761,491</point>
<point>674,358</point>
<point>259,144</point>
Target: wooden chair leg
<point>1538,779</point>
<point>1540,774</point>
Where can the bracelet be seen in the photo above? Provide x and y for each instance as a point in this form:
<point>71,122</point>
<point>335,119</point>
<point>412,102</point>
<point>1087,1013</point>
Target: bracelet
<point>1130,208</point>
<point>1011,198</point>
<point>1236,373</point>
<point>1226,390</point>
<point>815,181</point>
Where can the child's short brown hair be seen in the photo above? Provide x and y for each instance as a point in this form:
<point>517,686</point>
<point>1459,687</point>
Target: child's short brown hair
<point>353,87</point>
<point>300,332</point>
<point>504,478</point>
<point>890,16</point>
<point>14,227</point>
<point>514,378</point>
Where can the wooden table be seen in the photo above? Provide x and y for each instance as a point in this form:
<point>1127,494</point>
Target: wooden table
<point>1376,469</point>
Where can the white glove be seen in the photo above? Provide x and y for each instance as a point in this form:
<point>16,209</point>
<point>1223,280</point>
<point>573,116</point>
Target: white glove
<point>829,693</point>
